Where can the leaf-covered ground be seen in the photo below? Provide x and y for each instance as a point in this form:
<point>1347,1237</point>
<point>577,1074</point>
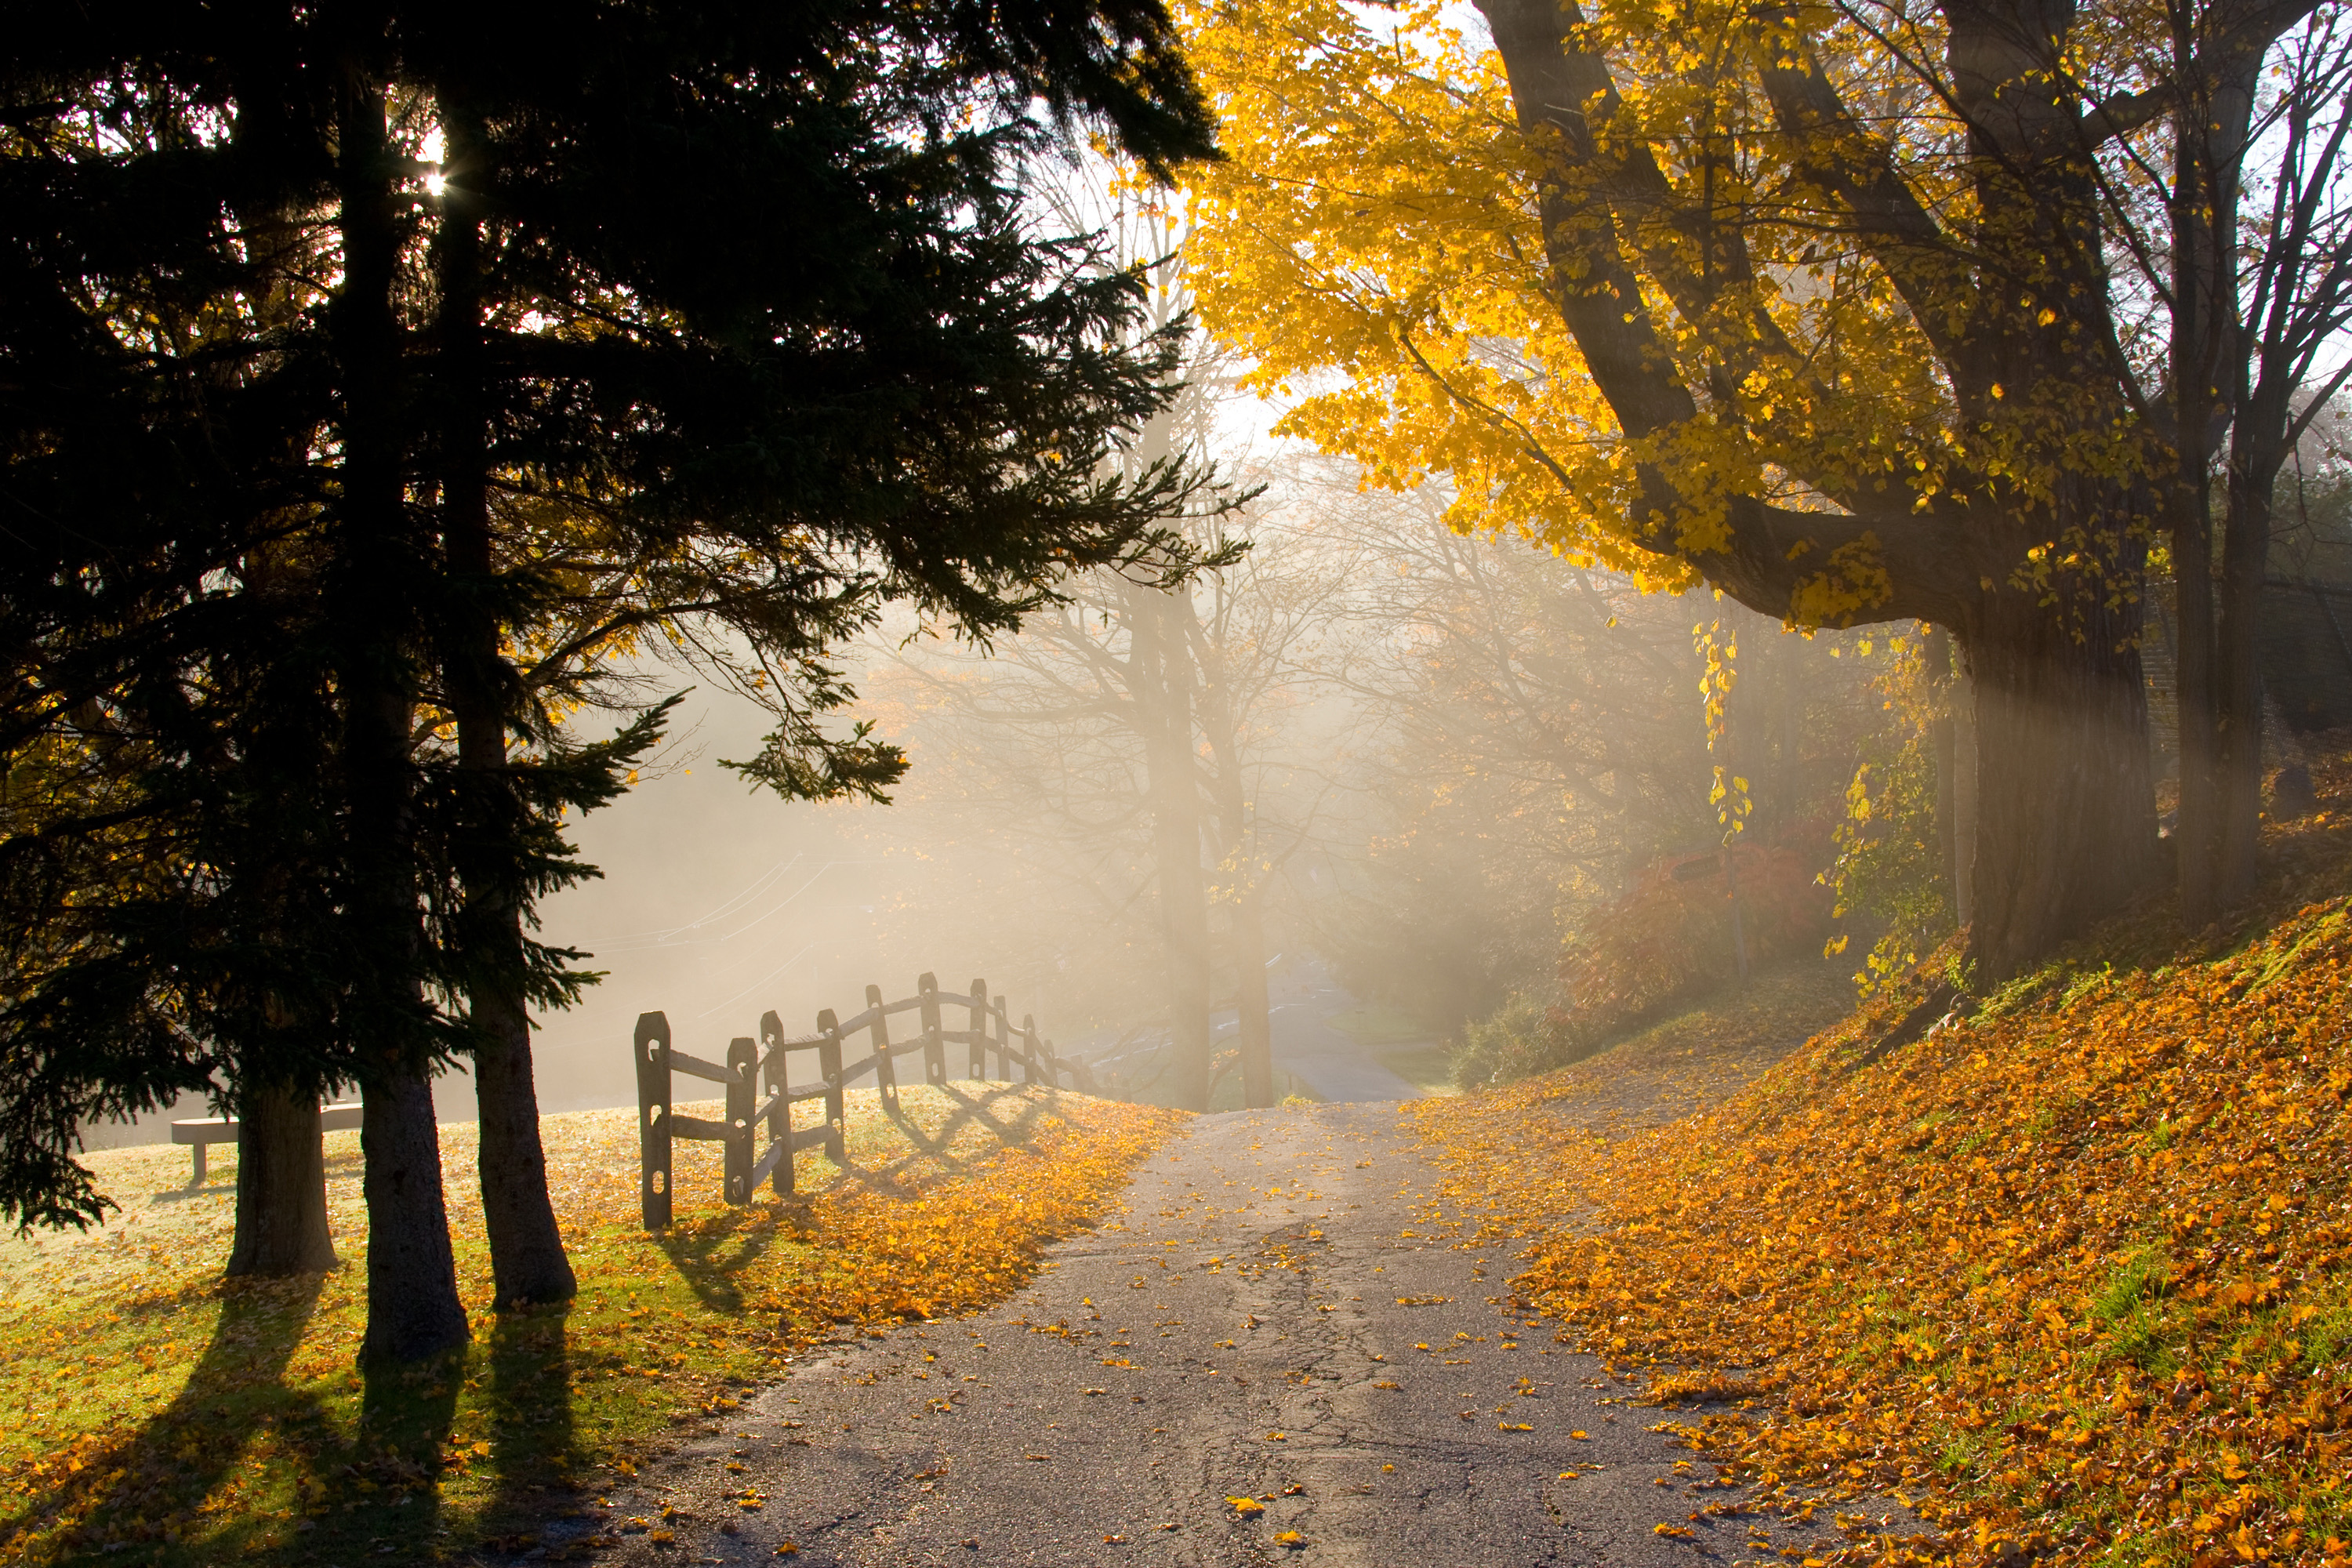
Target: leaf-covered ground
<point>159,1414</point>
<point>2069,1271</point>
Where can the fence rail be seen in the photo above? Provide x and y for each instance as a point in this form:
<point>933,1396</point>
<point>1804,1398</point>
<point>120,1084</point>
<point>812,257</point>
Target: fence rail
<point>760,1096</point>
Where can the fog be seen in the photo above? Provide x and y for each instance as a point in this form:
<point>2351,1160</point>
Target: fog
<point>1392,769</point>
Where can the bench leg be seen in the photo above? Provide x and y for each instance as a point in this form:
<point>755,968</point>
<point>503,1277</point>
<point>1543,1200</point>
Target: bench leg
<point>196,1178</point>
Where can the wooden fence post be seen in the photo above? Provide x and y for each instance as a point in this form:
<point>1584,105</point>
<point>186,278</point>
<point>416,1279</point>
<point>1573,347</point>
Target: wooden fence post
<point>779,1120</point>
<point>979,1030</point>
<point>828,1063</point>
<point>652,1052</point>
<point>935,1050</point>
<point>743,1061</point>
<point>886,1077</point>
<point>1040,1051</point>
<point>1004,1044</point>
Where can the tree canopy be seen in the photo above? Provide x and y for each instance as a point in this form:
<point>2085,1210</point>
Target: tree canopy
<point>384,376</point>
<point>1831,307</point>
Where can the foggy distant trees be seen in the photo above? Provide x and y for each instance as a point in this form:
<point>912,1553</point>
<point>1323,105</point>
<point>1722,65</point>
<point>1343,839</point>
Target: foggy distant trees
<point>1138,759</point>
<point>380,379</point>
<point>1531,735</point>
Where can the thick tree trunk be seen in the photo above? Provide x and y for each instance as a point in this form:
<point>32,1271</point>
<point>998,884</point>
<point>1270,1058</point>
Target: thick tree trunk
<point>414,1312</point>
<point>2066,831</point>
<point>2238,696</point>
<point>281,1186</point>
<point>527,1258</point>
<point>2195,835</point>
<point>413,1306</point>
<point>1967,758</point>
<point>1944,741</point>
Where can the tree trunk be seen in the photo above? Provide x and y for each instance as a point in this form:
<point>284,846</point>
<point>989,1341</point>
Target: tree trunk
<point>2066,831</point>
<point>2195,361</point>
<point>1943,739</point>
<point>281,1186</point>
<point>1252,1000</point>
<point>2254,463</point>
<point>1163,697</point>
<point>414,1312</point>
<point>1967,758</point>
<point>527,1258</point>
<point>413,1306</point>
<point>1245,897</point>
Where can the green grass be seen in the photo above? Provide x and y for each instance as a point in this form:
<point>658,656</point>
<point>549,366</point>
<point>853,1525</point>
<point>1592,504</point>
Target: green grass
<point>1378,1024</point>
<point>162,1416</point>
<point>1430,1069</point>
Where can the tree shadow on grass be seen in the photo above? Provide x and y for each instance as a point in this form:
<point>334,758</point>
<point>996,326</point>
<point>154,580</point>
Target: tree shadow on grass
<point>365,1489</point>
<point>526,1398</point>
<point>135,1498</point>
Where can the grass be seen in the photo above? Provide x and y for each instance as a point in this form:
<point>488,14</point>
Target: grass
<point>1378,1025</point>
<point>163,1415</point>
<point>1429,1068</point>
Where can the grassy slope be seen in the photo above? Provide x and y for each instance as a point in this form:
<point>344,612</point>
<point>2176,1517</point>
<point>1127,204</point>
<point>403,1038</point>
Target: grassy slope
<point>2070,1273</point>
<point>162,1416</point>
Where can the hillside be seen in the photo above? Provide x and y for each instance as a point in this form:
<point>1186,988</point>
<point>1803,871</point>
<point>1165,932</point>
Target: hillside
<point>2066,1272</point>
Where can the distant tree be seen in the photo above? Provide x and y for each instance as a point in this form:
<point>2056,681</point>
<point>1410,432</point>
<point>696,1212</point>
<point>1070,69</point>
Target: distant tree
<point>1533,736</point>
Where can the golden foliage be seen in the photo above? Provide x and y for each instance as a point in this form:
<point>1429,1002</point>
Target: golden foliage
<point>2068,1272</point>
<point>1371,244</point>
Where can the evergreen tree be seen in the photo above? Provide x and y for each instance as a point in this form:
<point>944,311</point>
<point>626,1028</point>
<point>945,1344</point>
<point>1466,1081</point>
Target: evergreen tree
<point>721,324</point>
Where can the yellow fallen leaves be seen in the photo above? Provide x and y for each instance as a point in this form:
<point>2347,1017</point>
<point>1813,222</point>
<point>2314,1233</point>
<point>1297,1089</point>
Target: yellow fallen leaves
<point>1246,1505</point>
<point>2070,1270</point>
<point>250,1415</point>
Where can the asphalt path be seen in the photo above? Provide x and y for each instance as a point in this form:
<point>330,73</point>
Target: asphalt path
<point>1274,1314</point>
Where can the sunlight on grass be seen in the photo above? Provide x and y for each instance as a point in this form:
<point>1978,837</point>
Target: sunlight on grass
<point>166,1416</point>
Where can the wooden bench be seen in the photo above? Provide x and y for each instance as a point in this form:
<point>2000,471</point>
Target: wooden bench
<point>200,1130</point>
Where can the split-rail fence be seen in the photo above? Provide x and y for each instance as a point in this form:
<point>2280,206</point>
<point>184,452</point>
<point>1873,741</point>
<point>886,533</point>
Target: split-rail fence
<point>757,1067</point>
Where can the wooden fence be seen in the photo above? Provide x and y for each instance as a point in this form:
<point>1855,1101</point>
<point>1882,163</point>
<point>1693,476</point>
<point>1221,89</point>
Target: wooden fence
<point>756,1068</point>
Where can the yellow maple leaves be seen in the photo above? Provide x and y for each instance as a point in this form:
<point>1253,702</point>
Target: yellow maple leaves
<point>1371,245</point>
<point>2072,1265</point>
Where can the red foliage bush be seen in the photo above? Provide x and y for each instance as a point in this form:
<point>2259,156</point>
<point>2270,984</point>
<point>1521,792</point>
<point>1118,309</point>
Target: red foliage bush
<point>1671,935</point>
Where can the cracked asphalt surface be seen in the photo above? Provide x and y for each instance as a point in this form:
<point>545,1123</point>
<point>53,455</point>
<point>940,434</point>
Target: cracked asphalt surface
<point>1274,1314</point>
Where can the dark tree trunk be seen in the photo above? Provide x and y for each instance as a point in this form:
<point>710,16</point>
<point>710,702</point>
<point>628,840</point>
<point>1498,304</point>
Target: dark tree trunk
<point>2066,828</point>
<point>1944,740</point>
<point>2255,464</point>
<point>414,1312</point>
<point>281,1186</point>
<point>527,1258</point>
<point>2196,829</point>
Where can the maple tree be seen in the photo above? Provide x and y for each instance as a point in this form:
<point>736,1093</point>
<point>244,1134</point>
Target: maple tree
<point>1813,304</point>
